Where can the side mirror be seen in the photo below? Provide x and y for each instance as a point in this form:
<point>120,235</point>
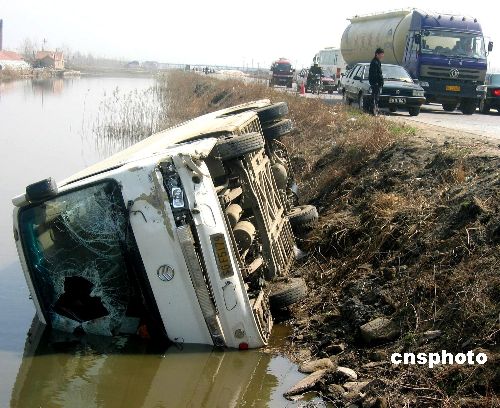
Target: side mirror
<point>490,46</point>
<point>418,39</point>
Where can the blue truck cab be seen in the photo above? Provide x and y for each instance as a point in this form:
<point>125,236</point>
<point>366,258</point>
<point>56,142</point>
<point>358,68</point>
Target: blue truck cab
<point>447,54</point>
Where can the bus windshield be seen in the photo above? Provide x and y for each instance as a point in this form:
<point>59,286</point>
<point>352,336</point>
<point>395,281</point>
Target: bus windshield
<point>75,245</point>
<point>453,44</point>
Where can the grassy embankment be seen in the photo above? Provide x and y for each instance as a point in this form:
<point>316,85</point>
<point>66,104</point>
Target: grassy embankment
<point>409,229</point>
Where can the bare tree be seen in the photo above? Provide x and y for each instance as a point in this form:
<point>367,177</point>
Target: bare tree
<point>28,49</point>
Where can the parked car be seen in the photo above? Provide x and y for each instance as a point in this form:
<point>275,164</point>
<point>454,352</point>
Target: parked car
<point>188,234</point>
<point>399,91</point>
<point>490,99</point>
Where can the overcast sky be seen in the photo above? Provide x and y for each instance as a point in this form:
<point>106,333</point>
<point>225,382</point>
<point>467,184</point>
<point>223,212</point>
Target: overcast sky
<point>208,32</point>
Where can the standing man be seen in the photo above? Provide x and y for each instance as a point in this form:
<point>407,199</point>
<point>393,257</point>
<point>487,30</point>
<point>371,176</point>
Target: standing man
<point>376,79</point>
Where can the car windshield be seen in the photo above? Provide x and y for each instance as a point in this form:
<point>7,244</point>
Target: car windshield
<point>453,44</point>
<point>495,79</point>
<point>395,73</point>
<point>75,246</point>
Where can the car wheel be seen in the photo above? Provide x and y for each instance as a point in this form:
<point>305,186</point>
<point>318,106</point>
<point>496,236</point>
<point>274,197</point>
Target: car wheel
<point>414,111</point>
<point>233,146</point>
<point>361,102</point>
<point>449,107</point>
<point>345,99</point>
<point>286,293</point>
<point>483,106</point>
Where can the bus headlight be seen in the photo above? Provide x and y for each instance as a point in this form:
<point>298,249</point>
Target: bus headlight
<point>418,93</point>
<point>424,84</point>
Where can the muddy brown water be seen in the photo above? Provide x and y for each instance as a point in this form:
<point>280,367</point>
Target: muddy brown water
<point>46,130</point>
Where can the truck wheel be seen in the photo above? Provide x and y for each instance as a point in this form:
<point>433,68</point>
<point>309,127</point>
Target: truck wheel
<point>468,106</point>
<point>414,110</point>
<point>484,107</point>
<point>286,293</point>
<point>233,146</point>
<point>449,107</point>
<point>272,112</point>
<point>277,129</point>
<point>302,218</point>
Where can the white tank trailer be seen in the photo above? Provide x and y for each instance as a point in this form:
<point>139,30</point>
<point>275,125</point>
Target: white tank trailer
<point>446,53</point>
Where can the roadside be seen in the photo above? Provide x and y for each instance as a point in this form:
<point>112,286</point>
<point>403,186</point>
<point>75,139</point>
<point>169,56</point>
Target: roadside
<point>478,124</point>
<point>405,256</point>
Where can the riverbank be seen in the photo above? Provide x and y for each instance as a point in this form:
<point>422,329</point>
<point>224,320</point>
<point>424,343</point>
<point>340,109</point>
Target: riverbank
<point>36,73</point>
<point>408,238</point>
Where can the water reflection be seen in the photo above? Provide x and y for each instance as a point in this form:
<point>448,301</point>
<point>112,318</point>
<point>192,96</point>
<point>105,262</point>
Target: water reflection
<point>123,372</point>
<point>53,85</point>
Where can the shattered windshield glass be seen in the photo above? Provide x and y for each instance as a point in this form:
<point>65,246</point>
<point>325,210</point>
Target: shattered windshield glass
<point>75,246</point>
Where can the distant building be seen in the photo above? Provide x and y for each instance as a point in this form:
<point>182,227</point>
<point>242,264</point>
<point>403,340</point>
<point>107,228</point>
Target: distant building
<point>150,65</point>
<point>12,60</point>
<point>133,64</point>
<point>49,59</point>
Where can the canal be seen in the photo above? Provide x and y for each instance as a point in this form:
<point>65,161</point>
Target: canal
<point>48,129</point>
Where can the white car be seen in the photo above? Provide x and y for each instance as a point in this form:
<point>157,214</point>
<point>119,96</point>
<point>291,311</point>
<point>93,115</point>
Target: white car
<point>186,234</point>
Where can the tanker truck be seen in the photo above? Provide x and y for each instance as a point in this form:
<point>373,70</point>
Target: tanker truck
<point>445,53</point>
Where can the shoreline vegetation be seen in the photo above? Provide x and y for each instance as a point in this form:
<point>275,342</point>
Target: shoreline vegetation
<point>47,73</point>
<point>405,257</point>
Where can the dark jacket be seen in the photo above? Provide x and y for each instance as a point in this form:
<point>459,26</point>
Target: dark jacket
<point>375,74</point>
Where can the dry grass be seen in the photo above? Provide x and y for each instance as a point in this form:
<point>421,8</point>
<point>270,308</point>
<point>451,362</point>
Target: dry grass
<point>125,118</point>
<point>8,74</point>
<point>322,132</point>
<point>408,229</point>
